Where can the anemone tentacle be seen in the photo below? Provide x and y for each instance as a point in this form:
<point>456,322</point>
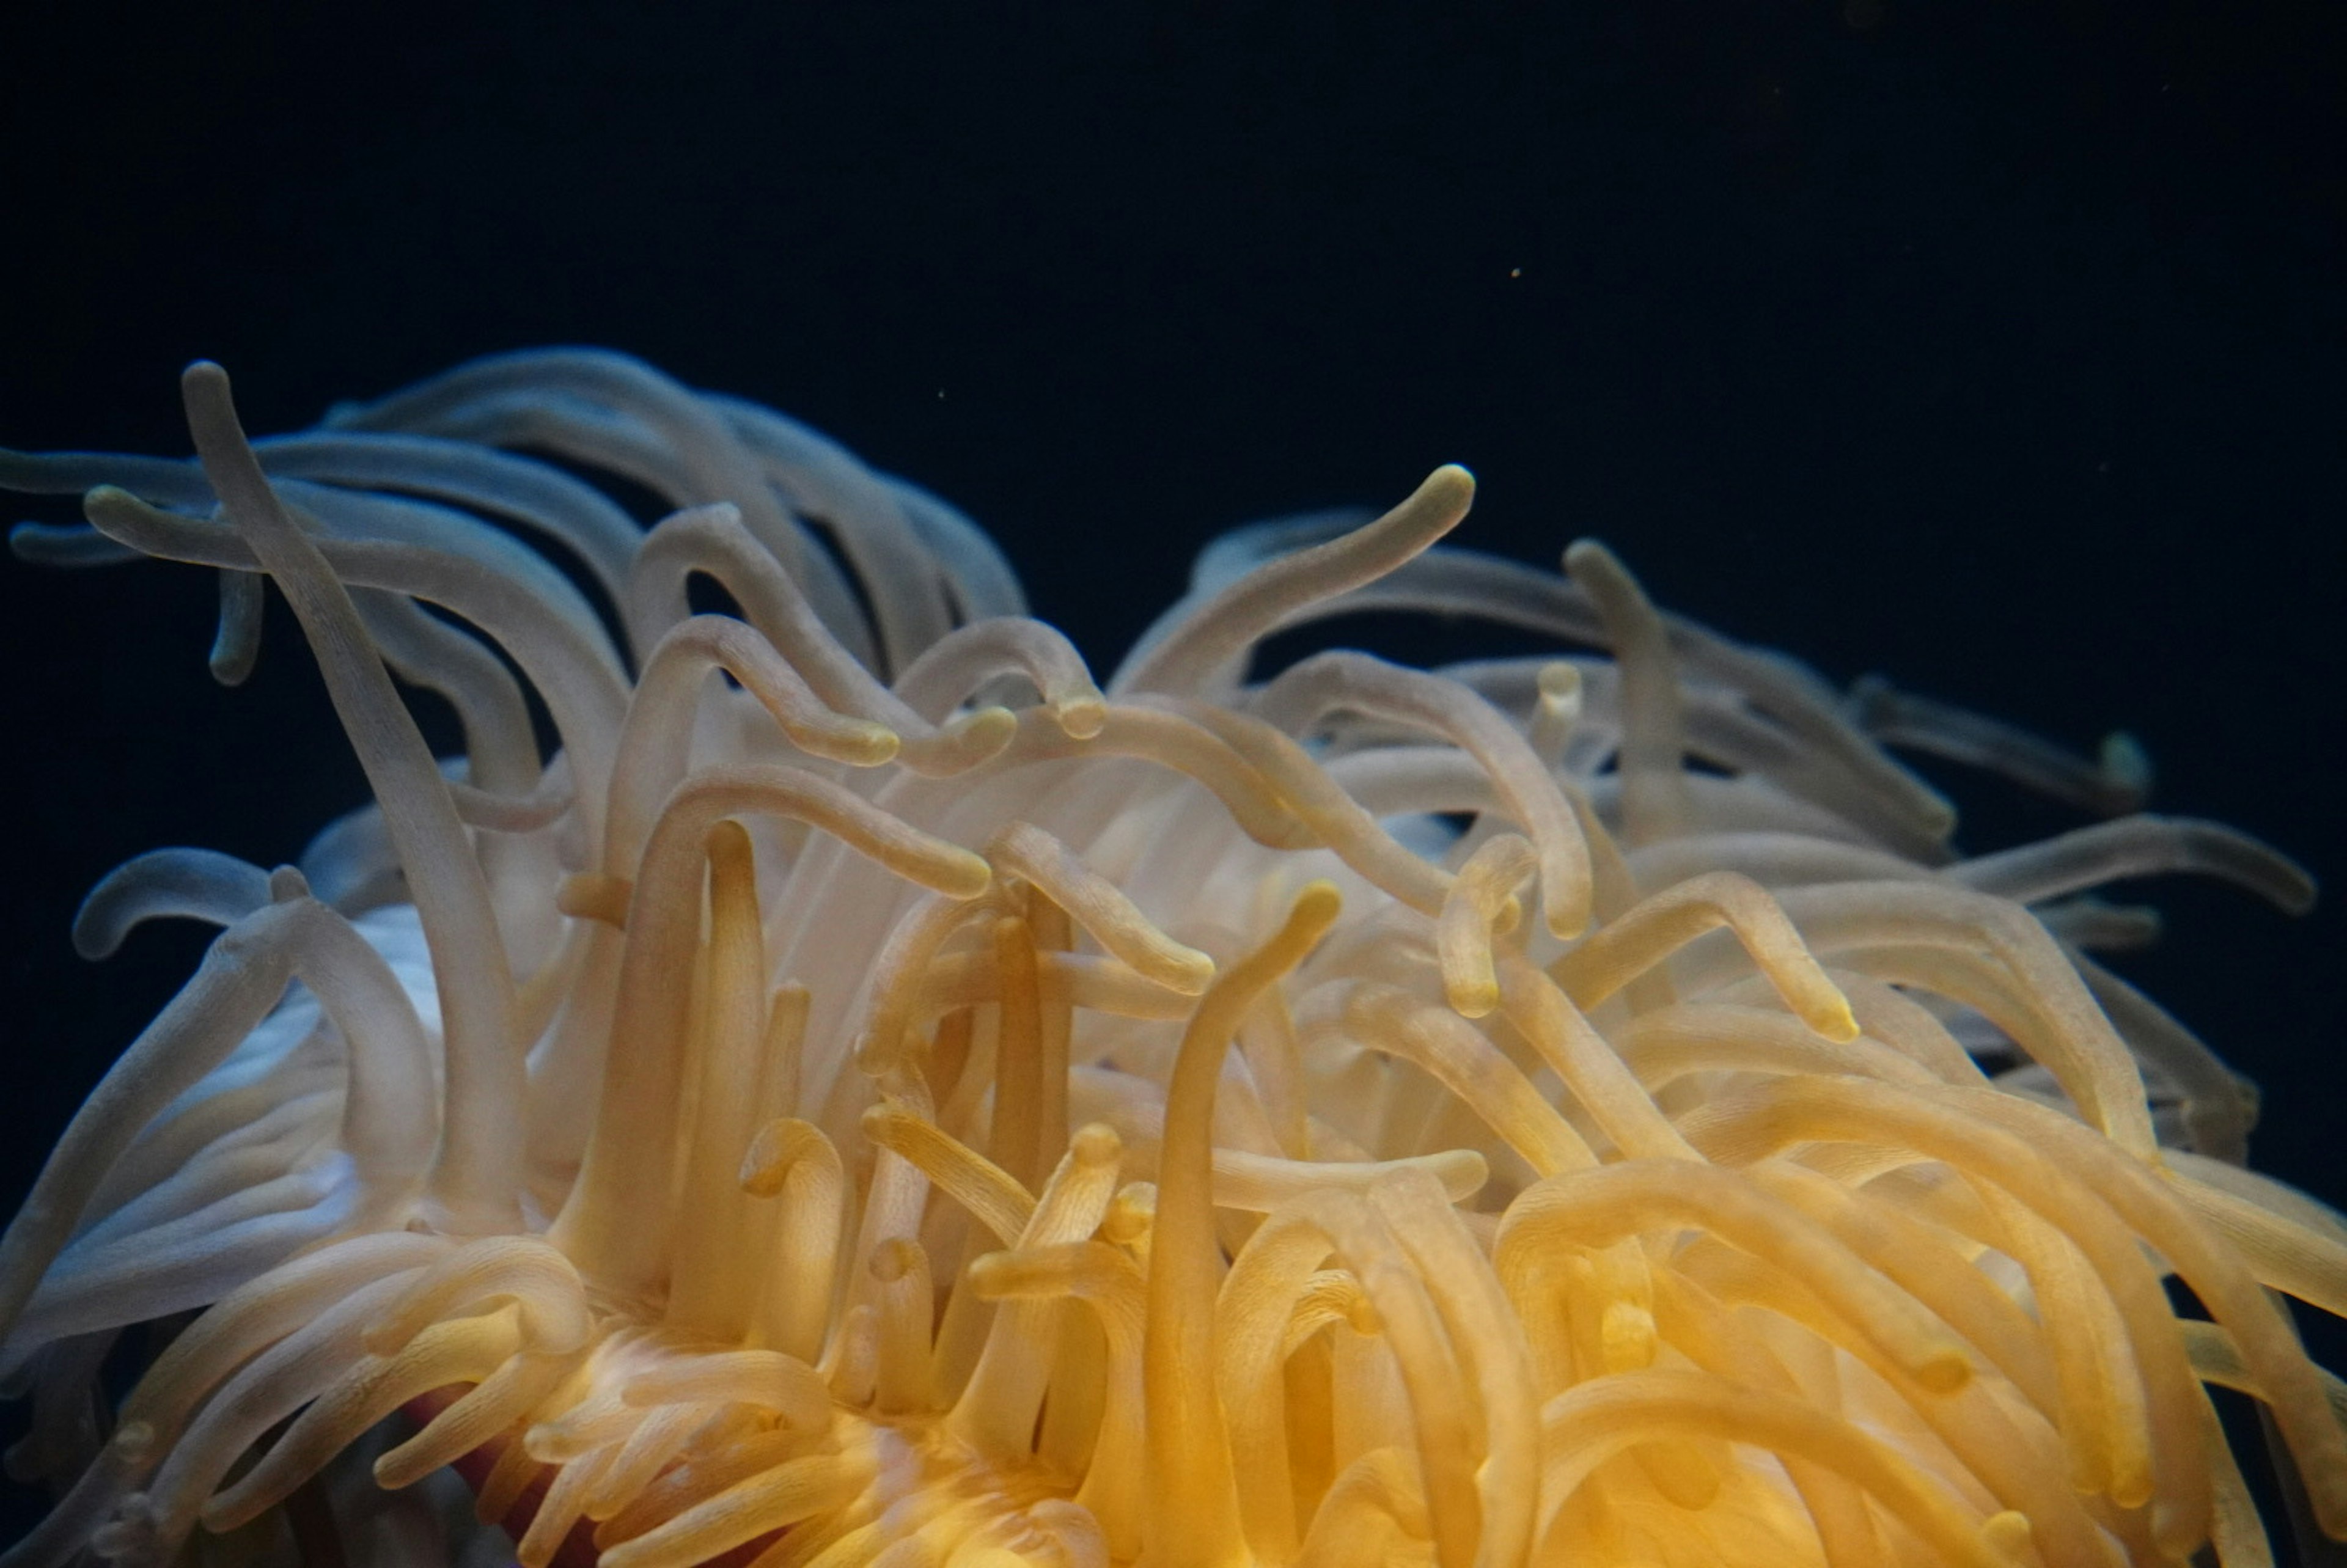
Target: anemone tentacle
<point>875,1093</point>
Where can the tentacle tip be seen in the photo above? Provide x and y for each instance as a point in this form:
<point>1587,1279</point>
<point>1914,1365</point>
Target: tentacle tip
<point>595,896</point>
<point>893,1259</point>
<point>979,734</point>
<point>963,876</point>
<point>1130,1214</point>
<point>1453,482</point>
<point>384,1340</point>
<point>542,1441</point>
<point>989,1274</point>
<point>1510,916</point>
<point>96,502</point>
<point>966,876</point>
<point>1566,925</point>
<point>1945,1369</point>
<point>2177,1532</point>
<point>1465,1174</point>
<point>398,1469</point>
<point>2008,1534</point>
<point>1316,905</point>
<point>1583,554</point>
<point>1835,1022</point>
<point>867,746</point>
<point>1192,973</point>
<point>133,1441</point>
<point>1082,717</point>
<point>92,941</point>
<point>1096,1144</point>
<point>2126,765</point>
<point>43,544</point>
<point>117,1540</point>
<point>1474,999</point>
<point>874,1059</point>
<point>2325,1480</point>
<point>210,404</point>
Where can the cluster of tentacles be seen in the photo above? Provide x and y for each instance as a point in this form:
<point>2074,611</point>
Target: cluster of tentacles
<point>874,1096</point>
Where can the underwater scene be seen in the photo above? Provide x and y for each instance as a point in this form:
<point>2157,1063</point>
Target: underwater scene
<point>1175,786</point>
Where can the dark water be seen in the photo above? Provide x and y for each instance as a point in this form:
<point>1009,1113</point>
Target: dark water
<point>1993,346</point>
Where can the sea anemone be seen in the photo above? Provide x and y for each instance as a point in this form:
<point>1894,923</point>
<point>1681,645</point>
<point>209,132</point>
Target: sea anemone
<point>870,1095</point>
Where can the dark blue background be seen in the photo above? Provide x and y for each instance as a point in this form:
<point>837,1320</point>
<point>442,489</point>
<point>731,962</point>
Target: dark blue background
<point>1997,346</point>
